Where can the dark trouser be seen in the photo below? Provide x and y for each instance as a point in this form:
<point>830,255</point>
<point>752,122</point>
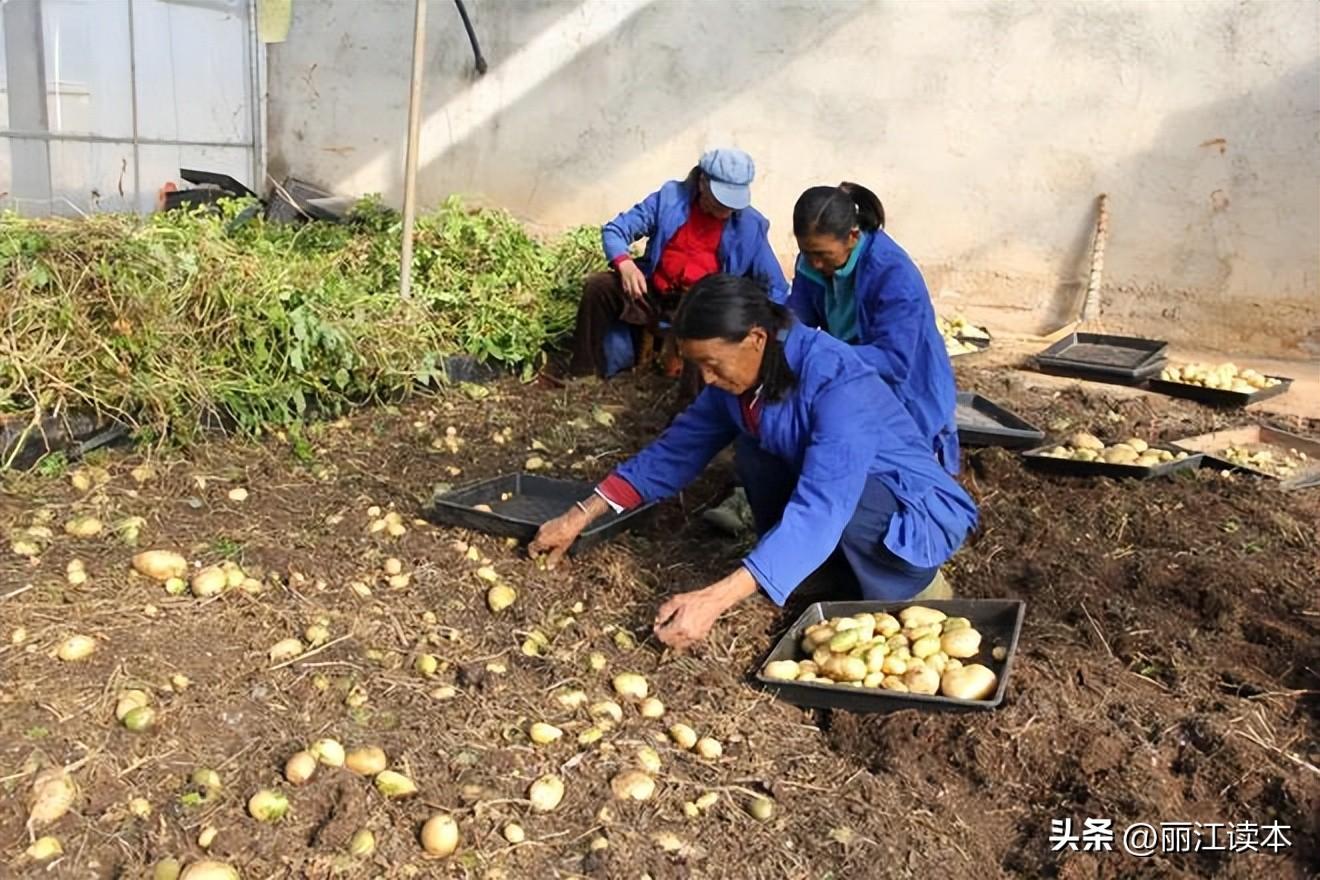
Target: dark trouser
<point>603,303</point>
<point>875,571</point>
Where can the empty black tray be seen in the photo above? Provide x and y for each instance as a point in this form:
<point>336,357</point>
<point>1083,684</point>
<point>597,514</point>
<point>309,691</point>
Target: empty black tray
<point>1068,467</point>
<point>1122,359</point>
<point>532,501</point>
<point>982,422</point>
<point>1218,396</point>
<point>998,620</point>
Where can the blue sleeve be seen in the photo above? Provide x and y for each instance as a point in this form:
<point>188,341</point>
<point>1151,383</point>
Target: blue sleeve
<point>898,307</point>
<point>766,269</point>
<point>802,303</point>
<point>618,235</point>
<point>682,452</point>
<point>844,440</point>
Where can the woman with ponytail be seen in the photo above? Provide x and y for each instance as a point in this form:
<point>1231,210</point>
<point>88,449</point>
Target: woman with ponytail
<point>855,282</point>
<point>831,461</point>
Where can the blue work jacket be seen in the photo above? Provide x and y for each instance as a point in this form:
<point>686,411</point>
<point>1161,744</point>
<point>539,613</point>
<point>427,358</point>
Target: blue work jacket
<point>897,335</point>
<point>837,427</point>
<point>744,248</point>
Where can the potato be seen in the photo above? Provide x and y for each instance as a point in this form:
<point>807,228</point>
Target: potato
<point>922,681</point>
<point>956,623</point>
<point>893,665</point>
<point>887,625</point>
<point>844,641</point>
<point>1085,455</point>
<point>1138,444</point>
<point>873,679</point>
<point>971,682</point>
<point>926,646</point>
<point>865,626</point>
<point>782,670</point>
<point>160,565</point>
<point>843,624</point>
<point>893,683</point>
<point>919,615</point>
<point>896,641</point>
<point>937,662</point>
<point>1146,459</point>
<point>917,633</point>
<point>875,658</point>
<point>1119,455</point>
<point>807,667</point>
<point>821,656</point>
<point>961,643</point>
<point>1083,440</point>
<point>845,668</point>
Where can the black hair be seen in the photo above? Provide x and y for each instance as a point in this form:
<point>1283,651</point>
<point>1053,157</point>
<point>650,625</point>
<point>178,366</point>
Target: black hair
<point>728,307</point>
<point>693,179</point>
<point>837,210</point>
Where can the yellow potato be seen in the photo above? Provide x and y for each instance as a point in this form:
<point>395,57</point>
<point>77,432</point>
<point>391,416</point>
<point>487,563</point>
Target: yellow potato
<point>922,681</point>
<point>1119,455</point>
<point>1084,440</point>
<point>919,615</point>
<point>926,646</point>
<point>782,670</point>
<point>961,643</point>
<point>972,682</point>
<point>887,625</point>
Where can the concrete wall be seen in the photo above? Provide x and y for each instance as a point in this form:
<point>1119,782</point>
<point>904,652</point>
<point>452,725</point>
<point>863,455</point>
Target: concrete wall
<point>988,128</point>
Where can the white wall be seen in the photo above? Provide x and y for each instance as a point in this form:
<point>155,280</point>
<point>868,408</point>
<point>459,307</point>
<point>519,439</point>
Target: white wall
<point>987,126</point>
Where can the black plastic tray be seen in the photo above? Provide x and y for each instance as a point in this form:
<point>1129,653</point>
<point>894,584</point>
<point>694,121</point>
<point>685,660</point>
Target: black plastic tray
<point>1100,373</point>
<point>998,620</point>
<point>1067,467</point>
<point>1103,351</point>
<point>1218,396</point>
<point>976,342</point>
<point>534,500</point>
<point>1210,445</point>
<point>982,422</point>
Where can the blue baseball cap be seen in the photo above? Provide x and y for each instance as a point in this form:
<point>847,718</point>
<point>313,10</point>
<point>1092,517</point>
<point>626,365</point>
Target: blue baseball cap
<point>730,172</point>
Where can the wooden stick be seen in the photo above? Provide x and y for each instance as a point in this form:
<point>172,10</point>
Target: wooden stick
<point>410,162</point>
<point>1091,302</point>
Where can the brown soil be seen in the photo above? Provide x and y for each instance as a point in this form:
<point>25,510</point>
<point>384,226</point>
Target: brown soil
<point>1168,669</point>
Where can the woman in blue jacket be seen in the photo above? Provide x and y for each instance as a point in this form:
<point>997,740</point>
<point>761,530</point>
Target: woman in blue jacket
<point>693,227</point>
<point>834,462</point>
<point>854,281</point>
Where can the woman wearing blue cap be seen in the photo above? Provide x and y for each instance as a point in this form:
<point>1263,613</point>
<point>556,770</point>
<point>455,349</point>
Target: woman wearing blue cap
<point>833,464</point>
<point>694,227</point>
<point>854,281</point>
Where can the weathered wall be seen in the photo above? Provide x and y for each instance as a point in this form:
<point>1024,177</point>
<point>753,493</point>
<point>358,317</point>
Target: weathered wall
<point>988,128</point>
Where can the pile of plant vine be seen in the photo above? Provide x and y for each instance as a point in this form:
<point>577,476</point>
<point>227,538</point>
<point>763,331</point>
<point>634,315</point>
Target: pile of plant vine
<point>180,319</point>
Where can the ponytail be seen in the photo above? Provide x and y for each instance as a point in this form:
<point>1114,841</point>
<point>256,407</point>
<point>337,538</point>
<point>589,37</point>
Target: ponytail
<point>728,307</point>
<point>837,211</point>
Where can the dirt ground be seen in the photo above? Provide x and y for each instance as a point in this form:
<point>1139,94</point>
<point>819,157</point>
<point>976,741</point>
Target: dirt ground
<point>1168,671</point>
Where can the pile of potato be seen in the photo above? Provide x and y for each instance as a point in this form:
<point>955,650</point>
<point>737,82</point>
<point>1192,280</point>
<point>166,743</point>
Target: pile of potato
<point>1134,451</point>
<point>1265,460</point>
<point>1225,377</point>
<point>921,651</point>
<point>956,331</point>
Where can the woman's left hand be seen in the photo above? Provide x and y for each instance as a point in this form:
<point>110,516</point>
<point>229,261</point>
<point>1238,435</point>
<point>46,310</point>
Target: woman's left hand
<point>686,619</point>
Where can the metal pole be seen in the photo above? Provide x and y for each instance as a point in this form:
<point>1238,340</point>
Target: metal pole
<point>410,163</point>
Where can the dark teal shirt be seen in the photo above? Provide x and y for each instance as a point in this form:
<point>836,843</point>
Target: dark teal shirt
<point>840,294</point>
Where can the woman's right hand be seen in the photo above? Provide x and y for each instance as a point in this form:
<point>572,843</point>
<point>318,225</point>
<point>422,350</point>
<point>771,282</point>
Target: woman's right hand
<point>632,279</point>
<point>557,535</point>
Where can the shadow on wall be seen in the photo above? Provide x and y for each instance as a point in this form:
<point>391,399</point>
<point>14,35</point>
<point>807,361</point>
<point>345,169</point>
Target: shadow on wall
<point>525,129</point>
<point>1231,159</point>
